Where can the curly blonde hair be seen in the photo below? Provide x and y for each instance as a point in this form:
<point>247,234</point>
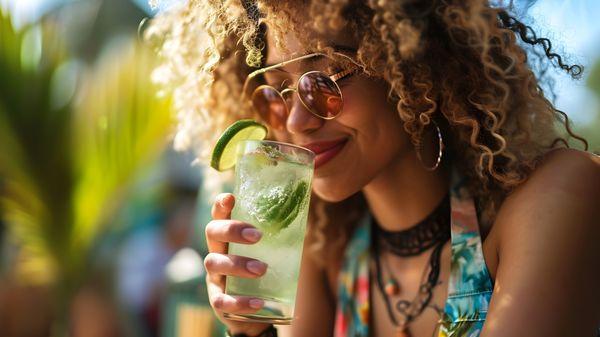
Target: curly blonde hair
<point>458,62</point>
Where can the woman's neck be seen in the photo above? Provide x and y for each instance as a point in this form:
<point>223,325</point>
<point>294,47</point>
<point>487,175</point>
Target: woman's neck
<point>404,193</point>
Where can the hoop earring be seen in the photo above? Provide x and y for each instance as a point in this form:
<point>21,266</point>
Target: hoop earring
<point>440,152</point>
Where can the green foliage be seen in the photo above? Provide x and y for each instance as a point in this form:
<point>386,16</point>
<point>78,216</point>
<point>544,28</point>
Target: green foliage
<point>593,81</point>
<point>592,131</point>
<point>121,127</point>
<point>71,143</point>
<point>34,165</point>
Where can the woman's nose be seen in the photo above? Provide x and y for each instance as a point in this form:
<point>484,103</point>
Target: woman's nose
<point>300,119</point>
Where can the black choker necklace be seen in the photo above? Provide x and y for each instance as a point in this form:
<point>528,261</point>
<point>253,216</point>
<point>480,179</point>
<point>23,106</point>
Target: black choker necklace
<point>433,229</point>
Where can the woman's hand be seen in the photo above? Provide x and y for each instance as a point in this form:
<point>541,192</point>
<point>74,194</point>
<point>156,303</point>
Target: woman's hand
<point>219,232</point>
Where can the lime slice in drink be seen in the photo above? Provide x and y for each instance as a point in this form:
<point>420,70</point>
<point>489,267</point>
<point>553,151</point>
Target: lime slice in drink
<point>224,154</point>
<point>293,205</point>
<point>279,209</point>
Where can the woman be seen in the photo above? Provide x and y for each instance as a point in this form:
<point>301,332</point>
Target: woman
<point>439,125</point>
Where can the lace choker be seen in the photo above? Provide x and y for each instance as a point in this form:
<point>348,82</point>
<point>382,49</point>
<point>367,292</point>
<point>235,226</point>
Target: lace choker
<point>435,228</point>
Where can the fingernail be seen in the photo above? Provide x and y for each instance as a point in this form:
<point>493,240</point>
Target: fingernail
<point>251,234</point>
<point>256,267</point>
<point>223,200</point>
<point>255,303</point>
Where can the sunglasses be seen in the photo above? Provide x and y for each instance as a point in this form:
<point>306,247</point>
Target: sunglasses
<point>317,91</point>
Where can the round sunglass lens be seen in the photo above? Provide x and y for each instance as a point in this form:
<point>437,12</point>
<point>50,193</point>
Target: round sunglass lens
<point>270,106</point>
<point>320,94</point>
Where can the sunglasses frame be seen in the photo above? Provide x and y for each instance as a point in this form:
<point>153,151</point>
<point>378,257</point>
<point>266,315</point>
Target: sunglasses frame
<point>334,78</point>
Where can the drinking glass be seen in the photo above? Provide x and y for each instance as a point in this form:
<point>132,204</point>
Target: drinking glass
<point>272,191</point>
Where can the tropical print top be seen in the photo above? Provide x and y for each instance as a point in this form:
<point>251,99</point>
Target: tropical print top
<point>469,289</point>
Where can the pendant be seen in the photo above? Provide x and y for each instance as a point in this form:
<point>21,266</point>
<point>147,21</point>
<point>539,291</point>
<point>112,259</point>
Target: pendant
<point>402,332</point>
<point>392,288</point>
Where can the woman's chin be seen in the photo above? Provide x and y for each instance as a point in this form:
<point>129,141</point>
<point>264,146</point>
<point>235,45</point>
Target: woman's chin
<point>331,192</point>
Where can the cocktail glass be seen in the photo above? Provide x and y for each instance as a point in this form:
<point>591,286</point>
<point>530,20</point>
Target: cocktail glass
<point>272,191</point>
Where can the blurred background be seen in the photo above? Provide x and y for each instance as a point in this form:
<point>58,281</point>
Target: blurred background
<point>100,221</point>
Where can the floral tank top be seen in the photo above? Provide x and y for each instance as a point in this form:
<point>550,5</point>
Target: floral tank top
<point>469,286</point>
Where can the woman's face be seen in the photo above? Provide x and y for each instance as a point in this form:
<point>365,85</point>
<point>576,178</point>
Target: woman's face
<point>356,146</point>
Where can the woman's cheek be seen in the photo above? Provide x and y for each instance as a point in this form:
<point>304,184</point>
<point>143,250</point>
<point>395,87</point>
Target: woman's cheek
<point>280,136</point>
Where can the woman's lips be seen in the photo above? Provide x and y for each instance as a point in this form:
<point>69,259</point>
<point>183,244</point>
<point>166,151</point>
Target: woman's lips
<point>325,151</point>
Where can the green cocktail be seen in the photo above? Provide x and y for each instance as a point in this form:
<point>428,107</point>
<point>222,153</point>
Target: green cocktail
<point>272,192</point>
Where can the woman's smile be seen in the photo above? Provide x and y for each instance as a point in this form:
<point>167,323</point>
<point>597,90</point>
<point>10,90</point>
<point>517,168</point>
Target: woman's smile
<point>326,150</point>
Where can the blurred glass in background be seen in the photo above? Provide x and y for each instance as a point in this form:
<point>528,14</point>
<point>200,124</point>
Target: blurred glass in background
<point>101,223</point>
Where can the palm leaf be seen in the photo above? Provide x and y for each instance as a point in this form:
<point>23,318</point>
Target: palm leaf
<point>65,168</point>
<point>121,127</point>
<point>34,136</point>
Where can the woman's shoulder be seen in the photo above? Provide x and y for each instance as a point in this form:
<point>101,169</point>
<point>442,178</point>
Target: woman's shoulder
<point>566,168</point>
<point>562,194</point>
<point>560,173</point>
<point>547,234</point>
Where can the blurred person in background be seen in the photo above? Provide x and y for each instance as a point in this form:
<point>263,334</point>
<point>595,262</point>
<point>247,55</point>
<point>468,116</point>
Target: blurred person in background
<point>444,200</point>
<point>146,251</point>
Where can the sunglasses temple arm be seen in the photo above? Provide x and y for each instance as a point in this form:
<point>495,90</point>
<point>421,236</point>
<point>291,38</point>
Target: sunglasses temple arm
<point>244,89</point>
